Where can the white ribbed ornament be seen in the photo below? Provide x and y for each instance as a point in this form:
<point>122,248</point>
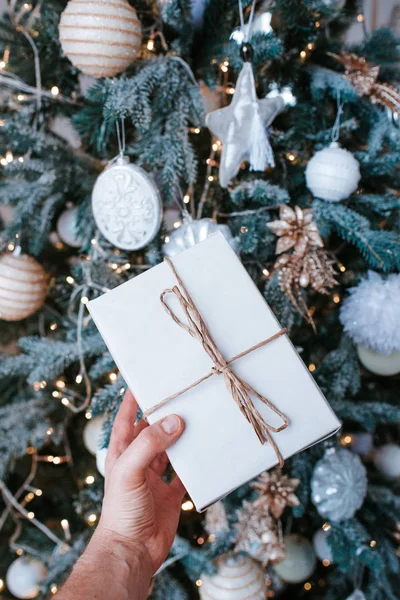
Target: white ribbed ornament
<point>24,577</point>
<point>237,578</point>
<point>100,37</point>
<point>23,286</point>
<point>333,173</point>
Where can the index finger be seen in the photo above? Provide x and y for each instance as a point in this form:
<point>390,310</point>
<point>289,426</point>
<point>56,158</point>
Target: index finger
<point>123,431</point>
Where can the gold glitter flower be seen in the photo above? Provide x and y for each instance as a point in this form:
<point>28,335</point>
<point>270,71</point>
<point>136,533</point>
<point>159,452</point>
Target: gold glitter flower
<point>295,229</point>
<point>276,492</point>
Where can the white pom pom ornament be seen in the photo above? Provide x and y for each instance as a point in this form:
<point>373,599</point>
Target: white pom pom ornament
<point>23,286</point>
<point>24,577</point>
<point>66,228</point>
<point>299,563</point>
<point>371,316</point>
<point>237,578</point>
<point>333,173</point>
<point>101,38</point>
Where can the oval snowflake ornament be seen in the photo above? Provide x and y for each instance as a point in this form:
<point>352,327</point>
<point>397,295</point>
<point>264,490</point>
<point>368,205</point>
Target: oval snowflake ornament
<point>338,484</point>
<point>126,205</point>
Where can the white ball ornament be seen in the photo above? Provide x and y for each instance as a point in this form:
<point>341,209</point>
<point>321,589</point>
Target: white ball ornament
<point>321,546</point>
<point>24,577</point>
<point>238,577</point>
<point>92,433</point>
<point>299,563</point>
<point>100,38</point>
<point>126,205</point>
<point>192,232</point>
<point>66,228</point>
<point>387,460</point>
<point>333,173</point>
<point>370,316</point>
<point>23,286</point>
<point>101,456</point>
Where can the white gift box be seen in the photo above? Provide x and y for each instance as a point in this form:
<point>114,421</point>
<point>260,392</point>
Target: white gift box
<point>218,450</point>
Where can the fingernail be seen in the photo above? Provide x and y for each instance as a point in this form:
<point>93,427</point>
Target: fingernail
<point>170,424</point>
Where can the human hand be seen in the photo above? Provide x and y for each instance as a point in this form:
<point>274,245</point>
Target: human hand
<point>140,511</point>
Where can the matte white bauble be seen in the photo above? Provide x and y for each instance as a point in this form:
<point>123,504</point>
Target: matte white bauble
<point>299,563</point>
<point>24,577</point>
<point>362,443</point>
<point>238,577</point>
<point>101,456</point>
<point>380,364</point>
<point>23,286</point>
<point>66,228</point>
<point>100,38</point>
<point>333,173</point>
<point>91,434</point>
<point>321,546</point>
<point>387,460</point>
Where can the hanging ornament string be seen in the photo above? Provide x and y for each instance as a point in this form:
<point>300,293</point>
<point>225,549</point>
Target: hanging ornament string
<point>246,30</point>
<point>336,126</point>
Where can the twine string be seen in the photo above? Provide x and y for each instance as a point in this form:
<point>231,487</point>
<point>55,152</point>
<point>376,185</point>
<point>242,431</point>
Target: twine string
<point>239,389</point>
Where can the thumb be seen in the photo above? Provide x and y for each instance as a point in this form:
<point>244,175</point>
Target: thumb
<point>150,442</point>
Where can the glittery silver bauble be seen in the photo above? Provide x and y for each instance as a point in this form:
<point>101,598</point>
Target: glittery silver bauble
<point>338,484</point>
<point>66,228</point>
<point>24,577</point>
<point>238,577</point>
<point>333,173</point>
<point>192,232</point>
<point>299,563</point>
<point>100,38</point>
<point>23,286</point>
<point>126,205</point>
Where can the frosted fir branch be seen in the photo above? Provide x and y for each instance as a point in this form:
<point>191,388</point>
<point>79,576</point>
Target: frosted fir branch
<point>385,501</point>
<point>12,81</point>
<point>260,192</point>
<point>338,374</point>
<point>325,80</point>
<point>61,563</point>
<point>367,414</point>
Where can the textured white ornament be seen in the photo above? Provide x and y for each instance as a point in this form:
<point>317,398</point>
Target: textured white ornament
<point>387,460</point>
<point>101,456</point>
<point>333,173</point>
<point>238,577</point>
<point>92,433</point>
<point>24,577</point>
<point>299,563</point>
<point>321,546</point>
<point>66,228</point>
<point>380,364</point>
<point>194,231</point>
<point>126,205</point>
<point>371,313</point>
<point>100,38</point>
<point>23,286</point>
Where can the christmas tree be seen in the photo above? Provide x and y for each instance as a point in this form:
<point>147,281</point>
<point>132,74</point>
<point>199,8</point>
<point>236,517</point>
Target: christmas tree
<point>304,185</point>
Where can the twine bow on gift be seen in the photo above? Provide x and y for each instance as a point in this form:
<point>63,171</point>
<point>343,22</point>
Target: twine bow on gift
<point>239,389</point>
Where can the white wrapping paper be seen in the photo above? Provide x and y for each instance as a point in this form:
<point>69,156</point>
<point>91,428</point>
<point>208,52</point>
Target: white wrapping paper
<point>218,450</point>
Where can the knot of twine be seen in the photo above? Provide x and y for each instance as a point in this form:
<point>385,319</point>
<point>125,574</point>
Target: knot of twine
<point>239,389</point>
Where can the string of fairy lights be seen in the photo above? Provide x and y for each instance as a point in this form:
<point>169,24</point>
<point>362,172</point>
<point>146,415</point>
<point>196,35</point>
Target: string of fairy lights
<point>18,503</point>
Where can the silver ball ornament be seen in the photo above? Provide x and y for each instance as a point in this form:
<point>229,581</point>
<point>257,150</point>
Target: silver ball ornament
<point>66,228</point>
<point>192,232</point>
<point>299,563</point>
<point>321,546</point>
<point>338,484</point>
<point>387,460</point>
<point>333,173</point>
<point>126,205</point>
<point>99,37</point>
<point>24,577</point>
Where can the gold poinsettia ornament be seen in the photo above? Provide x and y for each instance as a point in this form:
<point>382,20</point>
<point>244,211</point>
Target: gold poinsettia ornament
<point>276,492</point>
<point>308,265</point>
<point>364,78</point>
